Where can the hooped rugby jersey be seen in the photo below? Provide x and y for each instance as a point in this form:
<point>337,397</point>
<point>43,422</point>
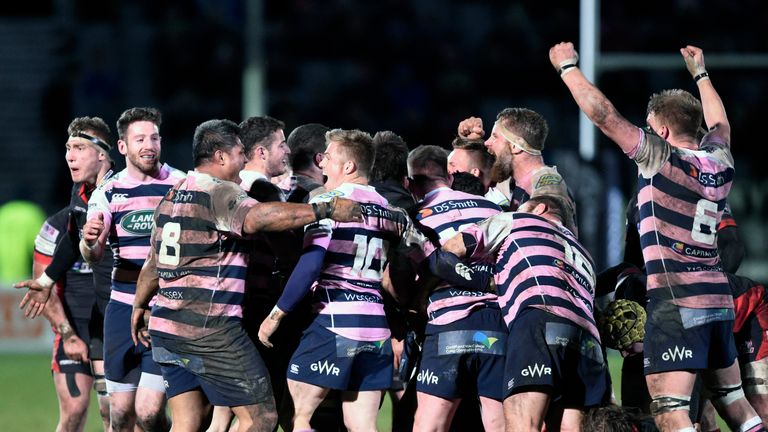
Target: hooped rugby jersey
<point>127,206</point>
<point>681,197</point>
<point>442,214</point>
<point>538,264</point>
<point>202,257</point>
<point>347,293</point>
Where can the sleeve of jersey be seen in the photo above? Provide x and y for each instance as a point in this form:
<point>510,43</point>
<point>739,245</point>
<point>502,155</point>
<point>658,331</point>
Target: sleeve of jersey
<point>451,269</point>
<point>65,254</point>
<point>304,275</point>
<point>99,203</point>
<point>651,153</point>
<point>714,139</point>
<point>230,206</point>
<point>490,234</point>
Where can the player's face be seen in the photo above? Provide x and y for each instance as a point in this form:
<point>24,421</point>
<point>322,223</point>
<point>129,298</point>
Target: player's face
<point>333,166</point>
<point>141,147</point>
<point>277,155</point>
<point>234,162</point>
<point>84,161</point>
<point>502,167</point>
<point>496,143</point>
<point>458,161</point>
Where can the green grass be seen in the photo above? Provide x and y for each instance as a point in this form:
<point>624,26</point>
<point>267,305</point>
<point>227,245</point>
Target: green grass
<point>29,401</point>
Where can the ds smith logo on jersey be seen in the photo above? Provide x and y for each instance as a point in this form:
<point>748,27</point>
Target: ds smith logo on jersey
<point>138,222</point>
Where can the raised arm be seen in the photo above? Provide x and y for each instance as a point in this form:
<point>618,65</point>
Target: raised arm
<point>714,111</point>
<point>591,100</point>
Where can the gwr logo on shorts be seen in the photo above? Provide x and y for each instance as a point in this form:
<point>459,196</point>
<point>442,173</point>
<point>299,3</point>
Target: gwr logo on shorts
<point>536,370</point>
<point>324,367</point>
<point>677,353</point>
<point>427,377</point>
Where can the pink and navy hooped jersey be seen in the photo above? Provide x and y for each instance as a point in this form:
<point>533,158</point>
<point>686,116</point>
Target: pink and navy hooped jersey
<point>347,293</point>
<point>127,206</point>
<point>681,197</point>
<point>202,258</point>
<point>540,265</point>
<point>442,214</point>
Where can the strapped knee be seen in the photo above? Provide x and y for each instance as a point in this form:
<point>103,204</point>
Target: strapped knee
<point>100,385</point>
<point>721,397</point>
<point>666,404</point>
<point>755,377</point>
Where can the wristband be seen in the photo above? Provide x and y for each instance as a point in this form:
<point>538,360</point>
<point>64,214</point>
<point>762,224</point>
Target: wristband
<point>330,207</point>
<point>273,315</point>
<point>564,69</point>
<point>45,280</point>
<point>701,76</point>
<point>316,210</point>
<point>65,330</point>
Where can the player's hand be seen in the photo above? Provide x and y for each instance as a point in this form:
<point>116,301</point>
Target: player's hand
<point>345,210</point>
<point>267,328</point>
<point>31,305</point>
<point>398,346</point>
<point>563,53</point>
<point>694,60</point>
<point>139,329</point>
<point>471,128</point>
<point>35,299</point>
<point>93,229</point>
<point>76,349</point>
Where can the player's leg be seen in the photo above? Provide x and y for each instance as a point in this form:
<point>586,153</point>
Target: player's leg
<point>306,398</point>
<point>221,420</point>
<point>122,413</point>
<point>188,411</point>
<point>433,413</point>
<point>525,411</point>
<point>492,412</point>
<point>121,369</point>
<point>755,378</point>
<point>100,387</point>
<point>361,409</point>
<point>150,403</point>
<point>671,398</point>
<point>73,391</point>
<point>261,417</point>
<point>728,398</point>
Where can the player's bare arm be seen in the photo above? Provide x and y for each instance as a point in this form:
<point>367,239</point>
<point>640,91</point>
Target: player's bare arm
<point>456,246</point>
<point>714,111</point>
<point>591,100</point>
<point>94,239</point>
<point>146,287</point>
<point>279,216</point>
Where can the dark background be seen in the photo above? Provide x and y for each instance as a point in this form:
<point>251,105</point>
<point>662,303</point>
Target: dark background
<point>414,67</point>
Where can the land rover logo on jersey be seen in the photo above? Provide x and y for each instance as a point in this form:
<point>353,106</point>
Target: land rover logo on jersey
<point>138,222</point>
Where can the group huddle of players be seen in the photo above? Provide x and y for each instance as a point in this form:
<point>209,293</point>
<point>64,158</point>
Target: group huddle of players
<point>295,281</point>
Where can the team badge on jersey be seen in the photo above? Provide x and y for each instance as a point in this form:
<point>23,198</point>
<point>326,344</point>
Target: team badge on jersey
<point>548,180</point>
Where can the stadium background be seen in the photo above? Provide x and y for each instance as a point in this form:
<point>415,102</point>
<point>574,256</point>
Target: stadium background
<point>414,67</point>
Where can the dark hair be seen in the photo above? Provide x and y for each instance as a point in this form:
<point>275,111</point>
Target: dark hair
<point>255,130</point>
<point>90,125</point>
<point>556,206</point>
<point>477,152</point>
<point>391,159</point>
<point>613,418</point>
<point>466,182</point>
<point>357,145</point>
<point>429,160</point>
<point>132,115</point>
<point>678,110</point>
<point>305,142</point>
<point>213,135</point>
<point>527,124</point>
